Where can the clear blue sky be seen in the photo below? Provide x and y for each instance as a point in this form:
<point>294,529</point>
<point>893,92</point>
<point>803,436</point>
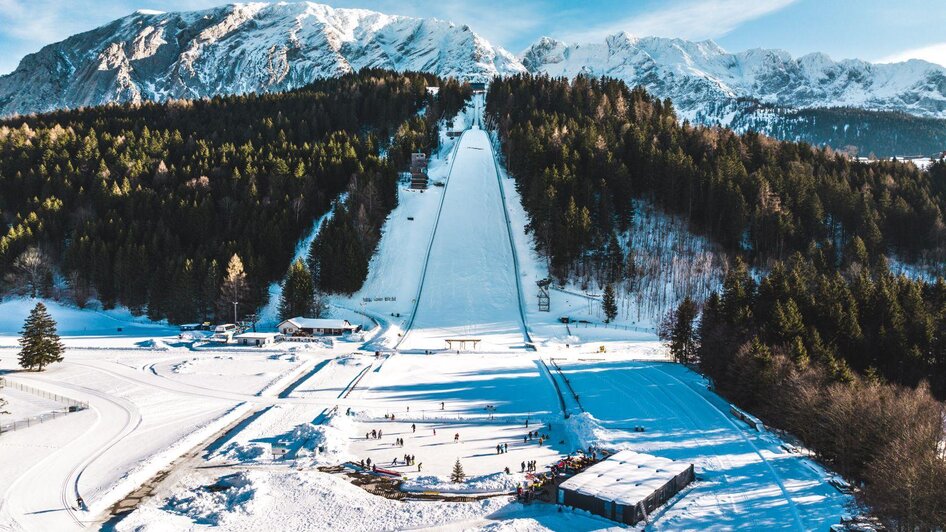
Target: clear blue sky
<point>876,30</point>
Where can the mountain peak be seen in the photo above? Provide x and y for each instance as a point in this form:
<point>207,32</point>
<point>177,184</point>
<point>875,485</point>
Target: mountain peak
<point>239,48</point>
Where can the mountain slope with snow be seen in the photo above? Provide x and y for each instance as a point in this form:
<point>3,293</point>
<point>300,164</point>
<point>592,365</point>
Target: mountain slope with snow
<point>236,49</point>
<point>703,79</point>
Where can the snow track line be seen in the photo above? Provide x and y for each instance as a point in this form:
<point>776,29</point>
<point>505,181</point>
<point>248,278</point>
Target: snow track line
<point>742,434</point>
<point>558,391</point>
<point>515,255</point>
<point>430,244</point>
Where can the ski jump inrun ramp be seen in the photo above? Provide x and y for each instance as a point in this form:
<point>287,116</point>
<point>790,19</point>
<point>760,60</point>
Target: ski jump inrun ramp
<point>470,284</point>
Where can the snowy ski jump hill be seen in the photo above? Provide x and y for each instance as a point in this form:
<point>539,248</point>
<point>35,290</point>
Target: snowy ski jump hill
<point>469,285</point>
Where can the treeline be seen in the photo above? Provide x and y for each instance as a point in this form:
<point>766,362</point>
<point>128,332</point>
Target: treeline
<point>785,348</point>
<point>339,257</point>
<point>581,150</point>
<point>855,131</point>
<point>145,205</point>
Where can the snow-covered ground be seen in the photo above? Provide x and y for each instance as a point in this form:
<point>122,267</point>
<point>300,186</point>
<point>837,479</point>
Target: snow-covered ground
<point>255,424</point>
<point>745,478</point>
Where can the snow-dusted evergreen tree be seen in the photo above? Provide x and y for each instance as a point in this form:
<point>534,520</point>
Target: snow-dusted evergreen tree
<point>40,343</point>
<point>679,332</point>
<point>234,289</point>
<point>298,293</point>
<point>457,475</point>
<point>610,304</point>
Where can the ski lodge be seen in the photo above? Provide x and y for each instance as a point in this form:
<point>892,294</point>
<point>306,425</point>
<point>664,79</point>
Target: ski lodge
<point>304,327</point>
<point>627,487</point>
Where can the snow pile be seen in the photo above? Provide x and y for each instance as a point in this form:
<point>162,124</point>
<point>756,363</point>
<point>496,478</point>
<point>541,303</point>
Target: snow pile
<point>303,501</point>
<point>492,483</point>
<point>239,493</point>
<point>193,365</point>
<point>155,344</point>
<point>586,431</point>
<point>325,444</point>
<point>310,444</point>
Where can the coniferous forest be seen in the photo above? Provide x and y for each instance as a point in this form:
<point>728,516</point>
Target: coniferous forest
<point>810,329</point>
<point>145,205</point>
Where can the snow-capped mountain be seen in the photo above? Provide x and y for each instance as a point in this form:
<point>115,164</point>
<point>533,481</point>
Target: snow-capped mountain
<point>260,47</point>
<point>239,48</point>
<point>706,83</point>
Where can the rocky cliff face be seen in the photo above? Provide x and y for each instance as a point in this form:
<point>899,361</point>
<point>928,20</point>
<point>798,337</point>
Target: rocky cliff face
<point>237,49</point>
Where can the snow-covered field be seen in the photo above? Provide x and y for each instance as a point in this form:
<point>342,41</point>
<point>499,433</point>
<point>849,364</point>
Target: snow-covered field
<point>232,438</point>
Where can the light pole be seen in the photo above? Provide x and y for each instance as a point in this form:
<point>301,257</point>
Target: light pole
<point>235,311</point>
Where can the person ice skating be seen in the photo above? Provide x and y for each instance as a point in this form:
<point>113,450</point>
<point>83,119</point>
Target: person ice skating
<point>456,438</point>
<point>498,448</point>
<point>379,434</point>
<point>435,432</point>
<point>419,464</point>
<point>505,447</point>
<point>522,467</point>
<point>368,461</point>
<point>524,439</point>
<point>374,433</point>
<point>394,462</point>
<point>441,405</point>
<point>527,423</point>
<point>80,504</point>
<point>506,470</point>
<point>413,428</point>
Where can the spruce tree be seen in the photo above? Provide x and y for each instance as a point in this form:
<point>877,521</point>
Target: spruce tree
<point>610,304</point>
<point>298,293</point>
<point>683,344</point>
<point>457,475</point>
<point>39,341</point>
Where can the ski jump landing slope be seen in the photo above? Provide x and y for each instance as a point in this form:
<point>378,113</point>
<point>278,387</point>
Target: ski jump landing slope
<point>469,287</point>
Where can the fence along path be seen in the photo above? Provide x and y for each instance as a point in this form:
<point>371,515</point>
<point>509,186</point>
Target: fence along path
<point>69,406</point>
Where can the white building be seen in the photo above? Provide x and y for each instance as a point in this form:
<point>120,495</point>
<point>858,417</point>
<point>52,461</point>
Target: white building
<point>316,327</point>
<point>259,339</point>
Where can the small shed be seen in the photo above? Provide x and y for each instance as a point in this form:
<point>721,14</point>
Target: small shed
<point>316,327</point>
<point>259,339</point>
<point>627,487</point>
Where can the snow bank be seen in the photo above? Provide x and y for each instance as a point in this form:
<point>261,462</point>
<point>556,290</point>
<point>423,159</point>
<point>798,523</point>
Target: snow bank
<point>298,500</point>
<point>239,493</point>
<point>492,483</point>
<point>309,444</point>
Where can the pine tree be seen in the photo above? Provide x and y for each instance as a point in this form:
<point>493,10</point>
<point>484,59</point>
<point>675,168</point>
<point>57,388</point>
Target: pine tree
<point>610,304</point>
<point>234,289</point>
<point>39,341</point>
<point>457,476</point>
<point>298,293</point>
<point>683,343</point>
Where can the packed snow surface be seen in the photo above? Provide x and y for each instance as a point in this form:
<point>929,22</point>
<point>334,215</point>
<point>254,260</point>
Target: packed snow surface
<point>469,285</point>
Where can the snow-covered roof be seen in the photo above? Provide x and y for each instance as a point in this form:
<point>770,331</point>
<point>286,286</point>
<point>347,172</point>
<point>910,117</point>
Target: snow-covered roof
<point>316,323</point>
<point>254,335</point>
<point>625,478</point>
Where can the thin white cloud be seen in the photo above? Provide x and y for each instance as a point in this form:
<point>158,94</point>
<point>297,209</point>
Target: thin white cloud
<point>934,53</point>
<point>686,19</point>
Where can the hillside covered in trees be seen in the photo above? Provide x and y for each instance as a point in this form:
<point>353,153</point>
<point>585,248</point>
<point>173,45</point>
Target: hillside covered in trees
<point>146,205</point>
<point>582,150</point>
<point>821,339</point>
